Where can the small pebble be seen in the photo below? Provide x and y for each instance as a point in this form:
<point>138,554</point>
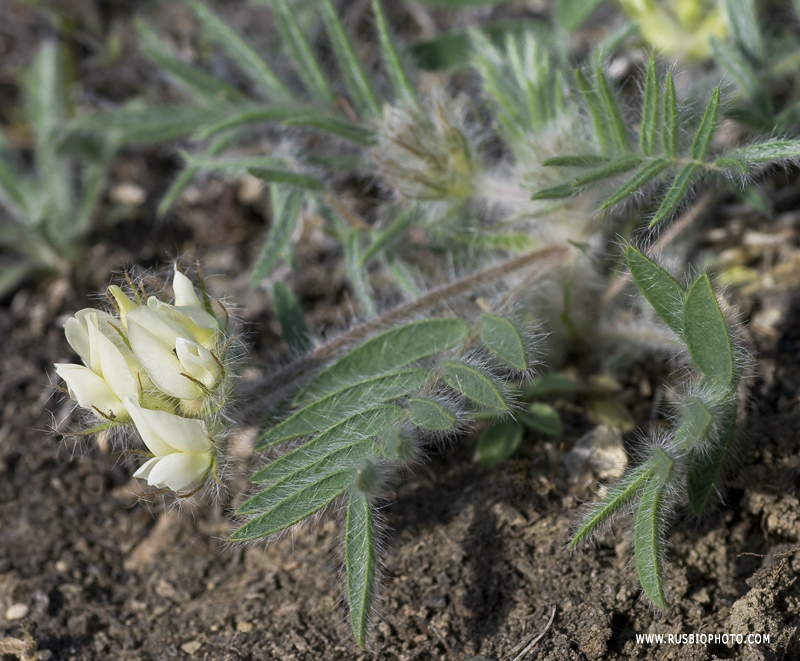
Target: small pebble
<point>244,626</point>
<point>17,612</point>
<point>192,647</point>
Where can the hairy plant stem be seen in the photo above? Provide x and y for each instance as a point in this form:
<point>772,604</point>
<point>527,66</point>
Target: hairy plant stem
<point>272,387</point>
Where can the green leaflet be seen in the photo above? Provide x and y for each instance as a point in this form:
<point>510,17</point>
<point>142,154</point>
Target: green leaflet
<point>707,464</point>
<point>132,125</point>
<point>743,74</point>
<point>238,117</point>
<point>661,290</point>
<point>556,192</point>
<point>649,171</point>
<point>295,506</point>
<point>285,177</point>
<point>189,172</point>
<point>696,423</point>
<point>430,415</point>
<point>612,169</point>
<point>307,64</point>
<point>669,136</point>
<point>355,273</point>
<point>543,418</point>
<point>10,189</point>
<point>242,53</point>
<point>360,427</point>
<point>649,131</point>
<point>344,402</point>
<point>199,84</point>
<point>359,545</point>
<point>474,385</point>
<point>294,329</point>
<point>283,222</point>
<point>345,460</point>
<point>498,442</point>
<point>706,334</point>
<point>391,59</point>
<point>625,490</point>
<point>647,542</point>
<point>503,339</point>
<point>679,187</point>
<point>601,126</point>
<point>577,161</point>
<point>340,127</point>
<point>357,81</point>
<point>571,14</point>
<point>388,351</point>
<point>741,15</point>
<point>776,150</point>
<point>382,239</point>
<point>613,114</point>
<point>702,138</point>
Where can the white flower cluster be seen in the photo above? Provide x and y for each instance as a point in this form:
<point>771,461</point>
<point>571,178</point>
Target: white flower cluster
<point>160,367</point>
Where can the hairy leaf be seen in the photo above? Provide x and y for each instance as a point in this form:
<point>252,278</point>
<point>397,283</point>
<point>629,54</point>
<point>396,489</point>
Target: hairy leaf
<point>474,385</point>
<point>339,127</point>
<point>285,177</point>
<point>498,442</point>
<point>602,129</point>
<point>285,212</point>
<point>742,73</point>
<point>675,193</point>
<point>746,33</point>
<point>356,275</point>
<point>611,169</point>
<point>646,173</point>
<point>358,428</point>
<point>503,339</point>
<point>357,81</point>
<point>284,506</point>
<point>238,117</point>
<point>242,53</point>
<point>543,418</point>
<point>613,114</point>
<point>669,135</point>
<point>706,334</point>
<point>134,125</point>
<point>702,138</point>
<point>391,58</point>
<point>292,320</point>
<point>707,463</point>
<point>571,14</point>
<point>430,415</point>
<point>339,405</point>
<point>387,352</point>
<point>359,544</point>
<point>307,64</point>
<point>577,160</point>
<point>650,132</point>
<point>616,499</point>
<point>661,290</point>
<point>648,546</point>
<point>199,84</point>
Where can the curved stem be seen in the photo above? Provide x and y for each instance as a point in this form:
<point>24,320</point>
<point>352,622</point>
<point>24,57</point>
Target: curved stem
<point>297,371</point>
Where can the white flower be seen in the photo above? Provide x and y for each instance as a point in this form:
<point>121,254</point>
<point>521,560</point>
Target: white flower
<point>168,348</point>
<point>110,371</point>
<point>183,452</point>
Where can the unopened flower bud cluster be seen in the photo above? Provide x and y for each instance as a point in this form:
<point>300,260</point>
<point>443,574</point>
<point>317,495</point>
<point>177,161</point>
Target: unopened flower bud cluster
<point>159,367</point>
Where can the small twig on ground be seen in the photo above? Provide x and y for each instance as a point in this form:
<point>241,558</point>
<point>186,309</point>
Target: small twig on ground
<point>530,645</point>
